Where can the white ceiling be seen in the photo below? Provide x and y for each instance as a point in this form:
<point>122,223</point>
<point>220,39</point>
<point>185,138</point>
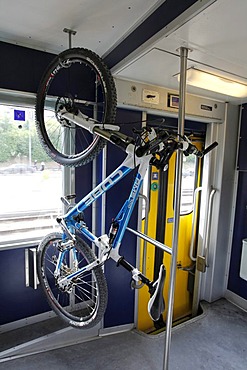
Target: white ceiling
<point>99,23</point>
<point>217,36</point>
<point>216,39</point>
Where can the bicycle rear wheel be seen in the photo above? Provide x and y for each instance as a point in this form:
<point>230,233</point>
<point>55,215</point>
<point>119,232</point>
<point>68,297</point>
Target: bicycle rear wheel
<point>78,80</point>
<point>82,302</point>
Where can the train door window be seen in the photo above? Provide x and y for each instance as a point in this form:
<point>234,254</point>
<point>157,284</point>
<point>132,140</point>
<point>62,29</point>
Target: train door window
<point>30,182</point>
<point>189,178</point>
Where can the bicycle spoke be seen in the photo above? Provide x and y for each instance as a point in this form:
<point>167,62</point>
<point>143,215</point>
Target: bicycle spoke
<point>82,300</point>
<point>86,293</point>
<point>77,80</point>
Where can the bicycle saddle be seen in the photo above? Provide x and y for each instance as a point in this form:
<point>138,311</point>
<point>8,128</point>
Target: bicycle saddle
<point>156,304</point>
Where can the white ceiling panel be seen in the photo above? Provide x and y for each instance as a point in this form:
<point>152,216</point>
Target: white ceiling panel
<point>99,23</point>
<point>161,68</point>
<point>216,38</point>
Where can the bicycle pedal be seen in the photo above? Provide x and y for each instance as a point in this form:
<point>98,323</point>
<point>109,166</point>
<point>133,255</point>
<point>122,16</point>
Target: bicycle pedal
<point>156,304</point>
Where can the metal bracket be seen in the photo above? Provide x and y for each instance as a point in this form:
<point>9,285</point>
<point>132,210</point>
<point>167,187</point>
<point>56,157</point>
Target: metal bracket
<point>31,268</point>
<point>71,33</point>
<point>201,264</point>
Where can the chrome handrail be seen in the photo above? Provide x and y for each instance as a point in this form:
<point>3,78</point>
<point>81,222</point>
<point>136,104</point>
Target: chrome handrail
<point>194,223</point>
<point>144,256</point>
<point>208,225</point>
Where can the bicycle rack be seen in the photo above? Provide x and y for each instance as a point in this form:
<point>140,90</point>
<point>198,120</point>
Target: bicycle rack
<point>68,172</point>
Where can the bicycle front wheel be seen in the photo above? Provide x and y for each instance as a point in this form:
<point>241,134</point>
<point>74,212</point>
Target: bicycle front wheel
<point>80,302</point>
<point>79,81</point>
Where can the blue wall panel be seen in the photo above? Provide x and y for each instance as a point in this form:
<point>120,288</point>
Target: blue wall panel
<point>167,12</point>
<point>242,152</point>
<point>22,68</point>
<point>120,308</point>
<point>17,301</point>
<point>235,283</point>
<point>83,185</point>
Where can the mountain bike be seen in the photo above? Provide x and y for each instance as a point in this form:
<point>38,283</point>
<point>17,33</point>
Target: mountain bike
<point>75,117</point>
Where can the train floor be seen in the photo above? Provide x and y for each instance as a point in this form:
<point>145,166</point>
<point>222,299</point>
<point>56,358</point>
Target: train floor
<point>215,340</point>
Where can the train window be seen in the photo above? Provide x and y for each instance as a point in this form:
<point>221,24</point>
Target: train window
<point>188,184</point>
<point>30,183</point>
<point>189,178</point>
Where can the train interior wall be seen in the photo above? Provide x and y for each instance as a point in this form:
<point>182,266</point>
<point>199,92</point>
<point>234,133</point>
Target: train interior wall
<point>237,283</point>
<point>21,70</point>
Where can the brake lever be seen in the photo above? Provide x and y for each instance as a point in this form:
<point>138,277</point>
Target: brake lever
<point>153,145</point>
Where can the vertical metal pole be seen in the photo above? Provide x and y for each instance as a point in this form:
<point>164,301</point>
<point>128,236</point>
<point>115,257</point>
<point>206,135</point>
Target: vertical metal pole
<point>179,162</point>
<point>103,197</point>
<point>68,173</point>
<point>95,205</point>
<point>70,40</point>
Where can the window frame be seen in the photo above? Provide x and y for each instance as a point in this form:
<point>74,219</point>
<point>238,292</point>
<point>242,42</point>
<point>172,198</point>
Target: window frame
<point>22,99</point>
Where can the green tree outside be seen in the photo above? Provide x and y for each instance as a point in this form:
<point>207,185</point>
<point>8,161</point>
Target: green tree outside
<point>16,138</point>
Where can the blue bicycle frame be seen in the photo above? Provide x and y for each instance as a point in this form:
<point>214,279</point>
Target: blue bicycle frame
<point>70,224</point>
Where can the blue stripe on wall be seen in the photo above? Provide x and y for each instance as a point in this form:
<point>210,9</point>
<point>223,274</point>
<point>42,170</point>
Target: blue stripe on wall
<point>160,18</point>
<point>21,68</point>
<point>120,309</point>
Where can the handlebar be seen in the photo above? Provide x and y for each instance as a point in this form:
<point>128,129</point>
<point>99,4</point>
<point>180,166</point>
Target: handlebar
<point>210,147</point>
<point>161,144</point>
<point>192,149</point>
<point>165,144</point>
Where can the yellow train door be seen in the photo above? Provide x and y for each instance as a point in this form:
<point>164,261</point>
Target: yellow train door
<point>160,227</point>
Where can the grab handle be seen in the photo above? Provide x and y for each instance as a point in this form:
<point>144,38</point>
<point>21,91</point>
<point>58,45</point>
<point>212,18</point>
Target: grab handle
<point>208,224</point>
<point>144,257</point>
<point>197,190</point>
